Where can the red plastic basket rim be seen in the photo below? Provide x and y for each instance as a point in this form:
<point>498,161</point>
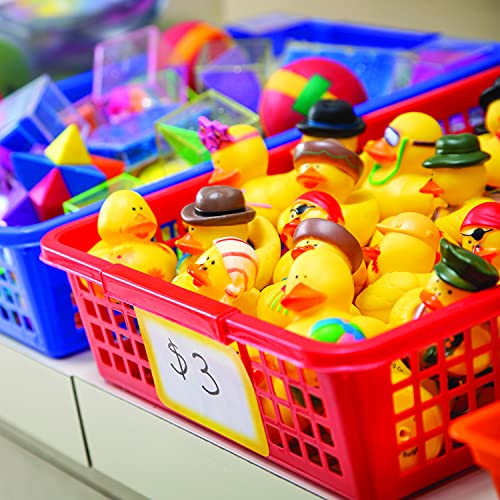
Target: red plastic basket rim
<point>144,290</point>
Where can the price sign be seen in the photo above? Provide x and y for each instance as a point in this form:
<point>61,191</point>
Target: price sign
<point>203,380</point>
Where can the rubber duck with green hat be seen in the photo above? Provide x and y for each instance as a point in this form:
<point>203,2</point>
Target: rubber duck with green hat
<point>457,275</point>
<point>490,142</point>
<point>458,178</point>
<point>334,119</point>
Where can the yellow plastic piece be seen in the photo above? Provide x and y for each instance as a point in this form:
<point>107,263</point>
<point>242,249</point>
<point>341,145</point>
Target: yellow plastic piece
<point>68,148</point>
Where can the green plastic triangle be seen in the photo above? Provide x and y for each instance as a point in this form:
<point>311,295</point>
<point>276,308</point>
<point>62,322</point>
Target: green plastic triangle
<point>185,143</point>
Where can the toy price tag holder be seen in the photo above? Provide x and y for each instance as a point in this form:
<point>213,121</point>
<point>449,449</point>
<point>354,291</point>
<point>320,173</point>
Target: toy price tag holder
<point>203,380</point>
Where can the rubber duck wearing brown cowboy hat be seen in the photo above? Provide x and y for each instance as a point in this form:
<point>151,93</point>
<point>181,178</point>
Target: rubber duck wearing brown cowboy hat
<point>221,211</point>
<point>490,142</point>
<point>333,119</point>
<point>458,178</point>
<point>320,287</point>
<point>456,276</point>
<point>326,165</point>
<point>311,235</point>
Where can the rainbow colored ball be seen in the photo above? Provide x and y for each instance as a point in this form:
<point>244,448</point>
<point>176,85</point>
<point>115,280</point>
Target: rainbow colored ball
<point>185,40</point>
<point>296,87</point>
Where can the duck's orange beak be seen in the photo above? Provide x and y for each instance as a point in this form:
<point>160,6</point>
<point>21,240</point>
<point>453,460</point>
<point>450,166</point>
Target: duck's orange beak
<point>300,250</point>
<point>188,244</point>
<point>487,254</point>
<point>199,274</point>
<point>302,297</point>
<point>226,177</point>
<point>430,300</point>
<point>288,230</point>
<point>141,227</point>
<point>432,187</point>
<point>311,178</point>
<point>371,253</point>
<point>380,151</point>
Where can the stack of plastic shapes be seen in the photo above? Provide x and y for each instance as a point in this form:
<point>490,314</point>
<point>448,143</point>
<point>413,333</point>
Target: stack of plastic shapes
<point>36,113</point>
<point>63,172</point>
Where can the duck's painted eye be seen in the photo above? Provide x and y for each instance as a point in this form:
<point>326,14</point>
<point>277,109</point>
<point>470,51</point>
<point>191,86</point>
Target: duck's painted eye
<point>296,276</point>
<point>315,245</point>
<point>213,263</point>
<point>208,258</point>
<point>391,136</point>
<point>141,208</point>
<point>450,292</point>
<point>133,208</point>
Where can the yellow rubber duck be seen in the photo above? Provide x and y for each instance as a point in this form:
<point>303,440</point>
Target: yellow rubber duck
<point>240,158</point>
<point>221,211</point>
<point>459,274</point>
<point>406,429</point>
<point>333,119</point>
<point>394,164</point>
<point>410,243</point>
<point>458,178</point>
<point>326,165</point>
<point>490,142</point>
<point>312,234</point>
<point>320,287</point>
<point>126,225</point>
<point>481,232</point>
<point>225,272</point>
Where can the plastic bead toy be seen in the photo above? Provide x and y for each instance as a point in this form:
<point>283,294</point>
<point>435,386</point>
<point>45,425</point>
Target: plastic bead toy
<point>393,164</point>
<point>458,274</point>
<point>290,92</point>
<point>490,142</point>
<point>126,225</point>
<point>326,165</point>
<point>225,272</point>
<point>333,119</point>
<point>481,232</point>
<point>221,211</point>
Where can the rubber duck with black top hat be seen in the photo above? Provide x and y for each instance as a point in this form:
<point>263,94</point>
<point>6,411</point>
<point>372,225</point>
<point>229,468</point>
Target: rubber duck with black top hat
<point>326,165</point>
<point>333,119</point>
<point>458,178</point>
<point>481,232</point>
<point>457,275</point>
<point>490,142</point>
<point>219,212</point>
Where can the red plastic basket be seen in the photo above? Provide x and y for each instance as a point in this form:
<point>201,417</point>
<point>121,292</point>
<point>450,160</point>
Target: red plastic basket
<point>328,410</point>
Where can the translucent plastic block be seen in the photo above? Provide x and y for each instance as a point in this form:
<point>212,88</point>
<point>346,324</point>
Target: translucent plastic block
<point>36,113</point>
<point>447,54</point>
<point>382,71</point>
<point>210,104</point>
<point>124,59</point>
<point>129,76</point>
<point>132,140</point>
<point>238,71</point>
<point>101,191</point>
